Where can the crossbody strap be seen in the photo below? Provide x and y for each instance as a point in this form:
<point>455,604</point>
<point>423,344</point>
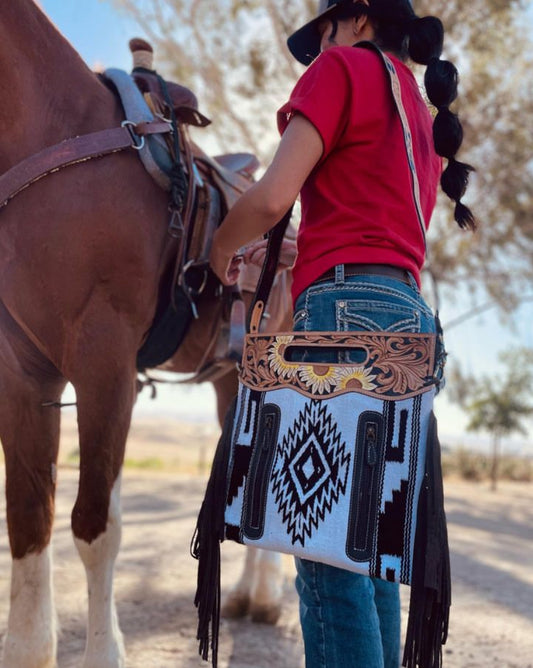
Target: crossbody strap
<point>268,273</point>
<point>407,136</point>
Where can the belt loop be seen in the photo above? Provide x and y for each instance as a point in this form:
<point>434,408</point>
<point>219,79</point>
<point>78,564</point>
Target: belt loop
<point>412,281</point>
<point>339,274</point>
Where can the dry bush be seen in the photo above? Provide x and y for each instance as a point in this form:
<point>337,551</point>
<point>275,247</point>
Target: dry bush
<point>476,466</point>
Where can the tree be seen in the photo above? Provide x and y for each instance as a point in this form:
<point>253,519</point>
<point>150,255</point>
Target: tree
<point>233,54</point>
<point>498,404</point>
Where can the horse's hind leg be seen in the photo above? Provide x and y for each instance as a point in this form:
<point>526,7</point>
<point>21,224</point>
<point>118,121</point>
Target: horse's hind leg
<point>105,399</point>
<point>267,588</point>
<point>259,590</point>
<point>30,437</point>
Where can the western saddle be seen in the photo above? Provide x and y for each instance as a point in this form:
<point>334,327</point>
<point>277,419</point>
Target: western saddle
<point>213,186</point>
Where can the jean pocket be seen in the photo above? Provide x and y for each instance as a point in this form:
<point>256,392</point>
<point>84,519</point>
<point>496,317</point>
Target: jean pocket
<point>376,316</point>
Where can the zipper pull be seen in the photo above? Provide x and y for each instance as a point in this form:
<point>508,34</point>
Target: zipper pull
<point>268,426</point>
<point>370,439</point>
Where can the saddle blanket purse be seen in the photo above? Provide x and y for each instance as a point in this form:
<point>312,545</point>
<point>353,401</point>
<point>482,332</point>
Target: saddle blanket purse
<point>327,461</point>
<point>336,463</point>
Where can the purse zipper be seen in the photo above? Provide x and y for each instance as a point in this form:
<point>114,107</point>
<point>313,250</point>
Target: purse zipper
<point>366,486</point>
<point>364,499</point>
<point>260,470</point>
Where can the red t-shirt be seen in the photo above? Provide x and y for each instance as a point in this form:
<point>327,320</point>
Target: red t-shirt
<point>357,203</point>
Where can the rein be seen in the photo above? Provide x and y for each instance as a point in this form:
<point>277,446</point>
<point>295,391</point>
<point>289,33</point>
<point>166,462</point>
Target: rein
<point>73,151</point>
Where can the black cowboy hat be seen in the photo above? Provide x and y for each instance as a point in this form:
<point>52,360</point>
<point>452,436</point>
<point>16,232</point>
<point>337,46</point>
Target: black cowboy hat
<point>304,44</point>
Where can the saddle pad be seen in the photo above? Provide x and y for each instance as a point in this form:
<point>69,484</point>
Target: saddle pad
<point>168,330</point>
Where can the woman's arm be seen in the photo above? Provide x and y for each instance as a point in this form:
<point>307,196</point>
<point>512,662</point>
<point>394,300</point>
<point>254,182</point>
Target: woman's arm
<point>266,202</point>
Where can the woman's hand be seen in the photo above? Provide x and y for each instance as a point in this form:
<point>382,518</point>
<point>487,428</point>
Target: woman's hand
<point>226,265</point>
<point>255,253</point>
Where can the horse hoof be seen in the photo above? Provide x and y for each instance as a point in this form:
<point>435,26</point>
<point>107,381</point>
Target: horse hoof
<point>236,606</point>
<point>265,614</point>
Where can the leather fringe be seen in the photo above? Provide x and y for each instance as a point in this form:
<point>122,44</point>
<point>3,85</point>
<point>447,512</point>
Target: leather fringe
<point>205,545</point>
<point>427,627</point>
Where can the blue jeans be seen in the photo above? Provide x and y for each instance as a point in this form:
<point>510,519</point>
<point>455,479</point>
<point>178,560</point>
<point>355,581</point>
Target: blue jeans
<point>350,620</point>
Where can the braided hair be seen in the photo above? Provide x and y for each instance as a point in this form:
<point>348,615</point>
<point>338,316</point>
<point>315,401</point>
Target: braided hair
<point>398,29</point>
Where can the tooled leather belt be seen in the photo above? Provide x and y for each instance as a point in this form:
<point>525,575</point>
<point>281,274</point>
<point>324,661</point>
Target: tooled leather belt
<point>369,269</point>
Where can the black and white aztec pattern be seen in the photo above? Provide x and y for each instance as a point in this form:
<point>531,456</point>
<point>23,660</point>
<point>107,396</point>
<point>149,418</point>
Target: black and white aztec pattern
<point>339,483</point>
<point>310,471</point>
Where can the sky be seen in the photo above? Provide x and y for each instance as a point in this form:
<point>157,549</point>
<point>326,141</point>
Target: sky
<point>100,34</point>
<point>98,31</point>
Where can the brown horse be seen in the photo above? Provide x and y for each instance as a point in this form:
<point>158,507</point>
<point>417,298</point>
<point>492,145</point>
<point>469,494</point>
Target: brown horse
<point>80,270</point>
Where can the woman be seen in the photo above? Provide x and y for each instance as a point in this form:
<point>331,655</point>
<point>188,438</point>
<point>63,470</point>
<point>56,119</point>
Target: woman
<point>360,243</point>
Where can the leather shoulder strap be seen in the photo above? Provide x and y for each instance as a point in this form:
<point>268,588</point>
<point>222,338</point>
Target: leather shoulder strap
<point>408,137</point>
<point>268,273</point>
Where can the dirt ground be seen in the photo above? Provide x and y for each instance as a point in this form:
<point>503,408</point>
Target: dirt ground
<point>490,537</point>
